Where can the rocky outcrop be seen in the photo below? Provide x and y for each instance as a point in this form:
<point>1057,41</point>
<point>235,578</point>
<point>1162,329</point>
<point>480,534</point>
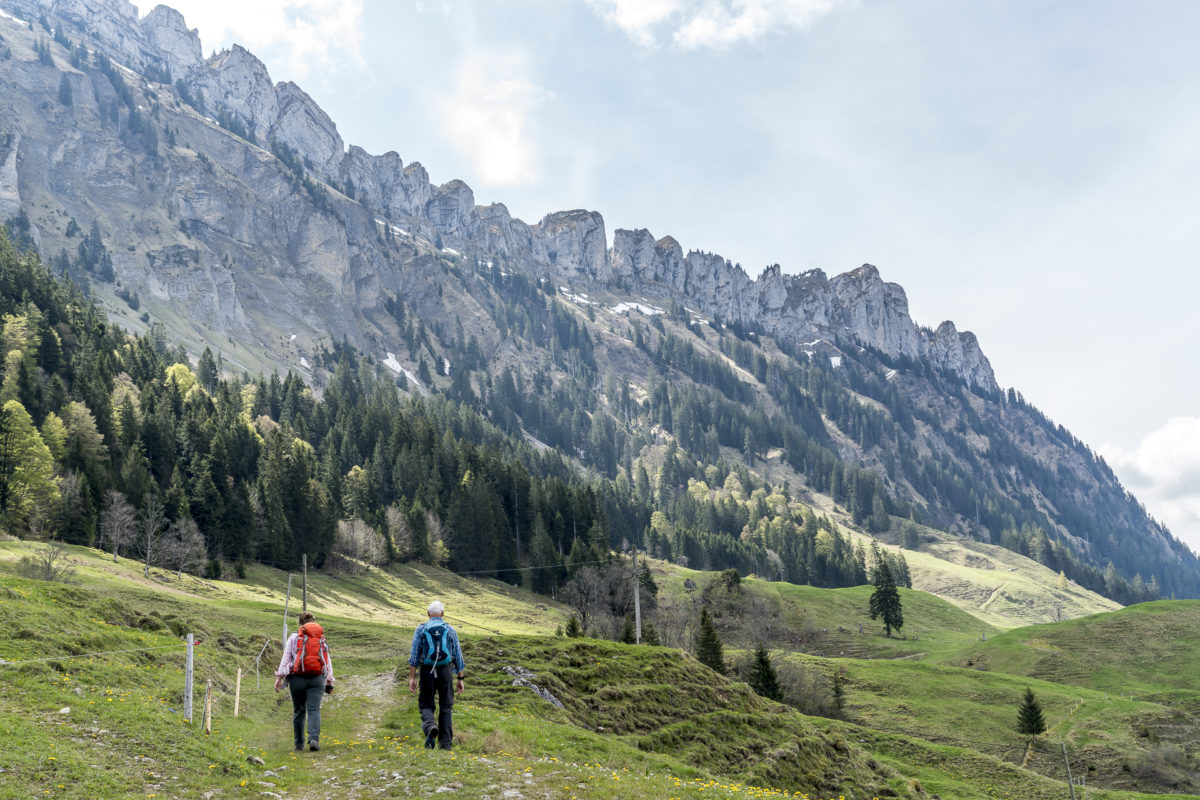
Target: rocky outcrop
<point>876,312</point>
<point>10,196</point>
<point>396,190</point>
<point>857,305</point>
<point>960,354</point>
<point>497,232</point>
<point>304,127</point>
<point>633,257</point>
<point>236,81</point>
<point>451,207</point>
<point>177,47</point>
<point>574,245</point>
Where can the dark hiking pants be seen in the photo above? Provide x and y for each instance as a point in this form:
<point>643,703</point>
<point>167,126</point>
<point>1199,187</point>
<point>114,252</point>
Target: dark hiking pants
<point>443,687</point>
<point>306,699</point>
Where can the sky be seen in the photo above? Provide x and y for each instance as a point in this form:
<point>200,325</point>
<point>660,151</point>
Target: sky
<point>1026,169</point>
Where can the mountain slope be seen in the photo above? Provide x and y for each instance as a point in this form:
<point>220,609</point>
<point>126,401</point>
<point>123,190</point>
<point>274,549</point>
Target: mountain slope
<point>197,194</point>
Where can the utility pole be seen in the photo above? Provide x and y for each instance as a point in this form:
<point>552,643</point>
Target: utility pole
<point>637,598</point>
<point>187,681</point>
<point>286,603</point>
<point>516,520</point>
<point>305,595</point>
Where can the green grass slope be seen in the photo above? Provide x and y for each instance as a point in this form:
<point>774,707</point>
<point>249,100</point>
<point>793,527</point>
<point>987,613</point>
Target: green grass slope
<point>1146,651</point>
<point>92,706</point>
<point>93,678</point>
<point>996,585</point>
<point>822,622</point>
<point>1114,742</point>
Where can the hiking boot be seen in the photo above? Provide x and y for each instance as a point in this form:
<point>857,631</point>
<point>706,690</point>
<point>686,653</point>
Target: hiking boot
<point>314,746</point>
<point>431,738</point>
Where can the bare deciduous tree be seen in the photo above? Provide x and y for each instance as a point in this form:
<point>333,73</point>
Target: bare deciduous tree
<point>118,522</point>
<point>49,562</point>
<point>356,544</point>
<point>584,593</point>
<point>400,530</point>
<point>150,528</point>
<point>183,548</point>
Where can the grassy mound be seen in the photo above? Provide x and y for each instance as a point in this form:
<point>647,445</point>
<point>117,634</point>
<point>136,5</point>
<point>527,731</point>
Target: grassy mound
<point>662,701</point>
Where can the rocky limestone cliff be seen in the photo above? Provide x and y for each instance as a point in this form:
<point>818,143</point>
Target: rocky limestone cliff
<point>10,196</point>
<point>169,36</point>
<point>568,246</point>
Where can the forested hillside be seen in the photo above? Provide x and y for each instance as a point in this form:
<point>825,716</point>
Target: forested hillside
<point>209,208</point>
<point>117,441</point>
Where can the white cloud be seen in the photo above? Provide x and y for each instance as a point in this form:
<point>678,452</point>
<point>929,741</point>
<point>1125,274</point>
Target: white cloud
<point>717,24</point>
<point>307,37</point>
<point>1164,472</point>
<point>489,118</point>
<point>638,18</point>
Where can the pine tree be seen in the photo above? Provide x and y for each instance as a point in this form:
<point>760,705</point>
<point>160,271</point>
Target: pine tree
<point>839,693</point>
<point>650,635</point>
<point>763,678</point>
<point>709,650</point>
<point>574,629</point>
<point>1030,721</point>
<point>628,634</point>
<point>206,371</point>
<point>885,600</point>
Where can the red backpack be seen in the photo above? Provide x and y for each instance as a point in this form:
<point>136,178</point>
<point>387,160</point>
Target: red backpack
<point>310,644</point>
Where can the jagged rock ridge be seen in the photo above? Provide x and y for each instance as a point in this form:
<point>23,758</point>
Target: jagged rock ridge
<point>568,245</point>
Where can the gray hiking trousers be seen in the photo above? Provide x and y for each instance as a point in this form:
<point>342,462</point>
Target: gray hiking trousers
<point>306,701</point>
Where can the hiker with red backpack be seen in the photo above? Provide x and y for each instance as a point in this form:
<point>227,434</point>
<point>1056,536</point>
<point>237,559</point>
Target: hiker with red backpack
<point>436,652</point>
<point>308,670</point>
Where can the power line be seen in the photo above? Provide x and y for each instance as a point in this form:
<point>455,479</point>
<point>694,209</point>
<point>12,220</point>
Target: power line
<point>469,572</point>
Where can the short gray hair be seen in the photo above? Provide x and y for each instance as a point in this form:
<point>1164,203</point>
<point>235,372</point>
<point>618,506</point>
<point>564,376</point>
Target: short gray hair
<point>436,607</point>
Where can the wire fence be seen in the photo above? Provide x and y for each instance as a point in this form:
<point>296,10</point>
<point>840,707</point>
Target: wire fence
<point>6,663</point>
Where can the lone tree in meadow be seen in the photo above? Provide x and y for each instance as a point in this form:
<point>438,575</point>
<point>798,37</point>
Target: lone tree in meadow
<point>1030,721</point>
<point>709,650</point>
<point>885,600</point>
<point>763,678</point>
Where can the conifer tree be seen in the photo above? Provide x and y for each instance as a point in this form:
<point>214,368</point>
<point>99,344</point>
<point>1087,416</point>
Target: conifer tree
<point>839,693</point>
<point>763,678</point>
<point>709,650</point>
<point>574,629</point>
<point>650,635</point>
<point>885,600</point>
<point>628,634</point>
<point>1030,721</point>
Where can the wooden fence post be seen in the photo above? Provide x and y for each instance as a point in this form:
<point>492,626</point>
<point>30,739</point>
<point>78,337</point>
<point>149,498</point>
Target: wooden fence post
<point>237,693</point>
<point>286,603</point>
<point>208,708</point>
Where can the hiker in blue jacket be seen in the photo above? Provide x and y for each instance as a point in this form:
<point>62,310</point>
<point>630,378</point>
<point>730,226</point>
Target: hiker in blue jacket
<point>436,652</point>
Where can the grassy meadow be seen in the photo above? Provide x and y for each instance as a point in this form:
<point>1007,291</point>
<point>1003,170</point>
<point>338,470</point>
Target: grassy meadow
<point>919,720</point>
